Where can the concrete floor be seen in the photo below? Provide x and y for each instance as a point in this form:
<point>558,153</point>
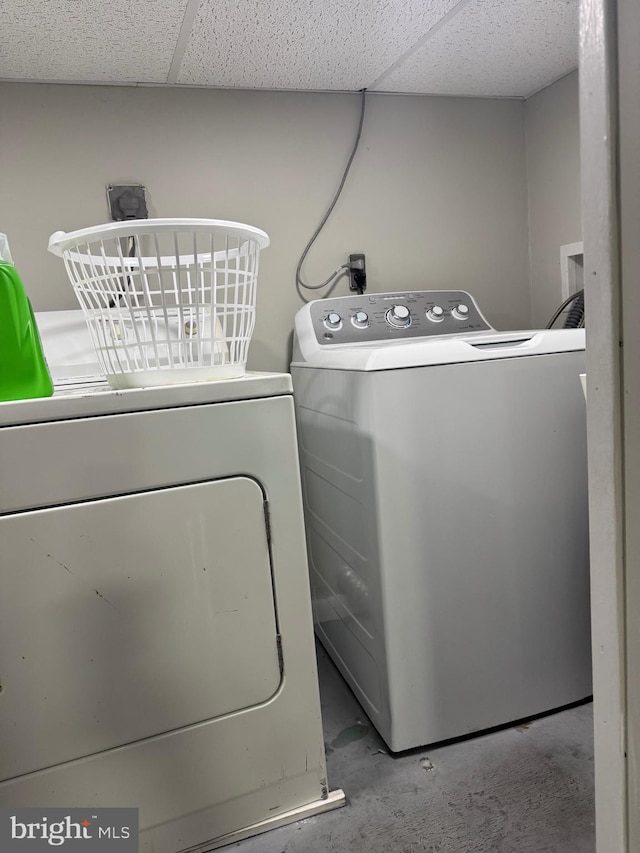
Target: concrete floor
<point>526,789</point>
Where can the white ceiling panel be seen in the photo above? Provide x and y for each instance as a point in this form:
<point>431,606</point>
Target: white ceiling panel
<point>492,47</point>
<point>480,48</point>
<point>116,41</point>
<point>303,44</point>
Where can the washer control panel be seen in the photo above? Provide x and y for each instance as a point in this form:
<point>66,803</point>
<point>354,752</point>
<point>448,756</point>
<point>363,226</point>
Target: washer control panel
<point>394,316</point>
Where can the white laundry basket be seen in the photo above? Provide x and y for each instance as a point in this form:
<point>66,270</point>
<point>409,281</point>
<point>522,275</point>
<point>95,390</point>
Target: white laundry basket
<point>166,300</point>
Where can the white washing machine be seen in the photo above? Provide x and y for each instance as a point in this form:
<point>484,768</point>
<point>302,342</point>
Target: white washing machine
<point>445,485</point>
<point>156,640</point>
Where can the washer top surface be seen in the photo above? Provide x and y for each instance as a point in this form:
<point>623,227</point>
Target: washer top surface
<point>387,331</point>
<point>80,389</point>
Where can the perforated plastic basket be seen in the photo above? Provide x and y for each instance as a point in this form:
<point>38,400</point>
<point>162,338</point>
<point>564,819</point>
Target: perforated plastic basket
<point>166,300</point>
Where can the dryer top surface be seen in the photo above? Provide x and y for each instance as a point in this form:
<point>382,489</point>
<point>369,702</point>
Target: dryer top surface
<point>82,391</point>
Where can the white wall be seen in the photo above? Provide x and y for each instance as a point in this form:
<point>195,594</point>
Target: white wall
<point>436,196</point>
<point>553,181</point>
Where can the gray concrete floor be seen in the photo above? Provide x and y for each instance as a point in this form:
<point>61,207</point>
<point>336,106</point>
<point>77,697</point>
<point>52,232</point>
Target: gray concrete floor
<point>525,789</point>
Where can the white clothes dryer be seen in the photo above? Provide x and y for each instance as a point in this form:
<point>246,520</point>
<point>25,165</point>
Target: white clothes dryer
<point>445,486</point>
<point>156,640</point>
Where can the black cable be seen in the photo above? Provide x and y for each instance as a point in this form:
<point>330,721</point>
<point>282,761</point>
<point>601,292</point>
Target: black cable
<point>125,284</point>
<point>562,307</point>
<point>575,317</point>
<point>341,270</point>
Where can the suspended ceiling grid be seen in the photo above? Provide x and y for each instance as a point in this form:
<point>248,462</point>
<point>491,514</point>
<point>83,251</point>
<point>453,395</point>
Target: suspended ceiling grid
<point>477,48</point>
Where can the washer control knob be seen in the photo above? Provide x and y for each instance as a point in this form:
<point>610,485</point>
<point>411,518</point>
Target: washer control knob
<point>435,314</point>
<point>399,316</point>
<point>360,319</point>
<point>461,311</point>
<point>333,320</point>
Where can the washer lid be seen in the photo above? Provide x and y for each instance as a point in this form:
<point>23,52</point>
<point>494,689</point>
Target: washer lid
<point>450,349</point>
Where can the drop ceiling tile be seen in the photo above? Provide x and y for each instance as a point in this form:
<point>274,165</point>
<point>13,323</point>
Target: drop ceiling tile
<point>119,41</point>
<point>303,44</point>
<point>493,47</point>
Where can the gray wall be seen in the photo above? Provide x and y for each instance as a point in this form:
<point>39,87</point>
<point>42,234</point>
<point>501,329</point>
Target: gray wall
<point>553,181</point>
<point>437,196</point>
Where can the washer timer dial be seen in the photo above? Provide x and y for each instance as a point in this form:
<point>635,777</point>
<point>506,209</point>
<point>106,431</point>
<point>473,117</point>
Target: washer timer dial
<point>399,316</point>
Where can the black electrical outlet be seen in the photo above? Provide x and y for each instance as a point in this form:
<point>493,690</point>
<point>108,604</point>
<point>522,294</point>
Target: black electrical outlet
<point>357,273</point>
<point>127,201</point>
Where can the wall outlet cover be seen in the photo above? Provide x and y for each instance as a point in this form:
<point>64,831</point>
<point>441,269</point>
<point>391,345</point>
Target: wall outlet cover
<point>127,201</point>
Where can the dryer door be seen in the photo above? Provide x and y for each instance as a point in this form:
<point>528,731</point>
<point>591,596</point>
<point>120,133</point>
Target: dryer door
<point>127,617</point>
